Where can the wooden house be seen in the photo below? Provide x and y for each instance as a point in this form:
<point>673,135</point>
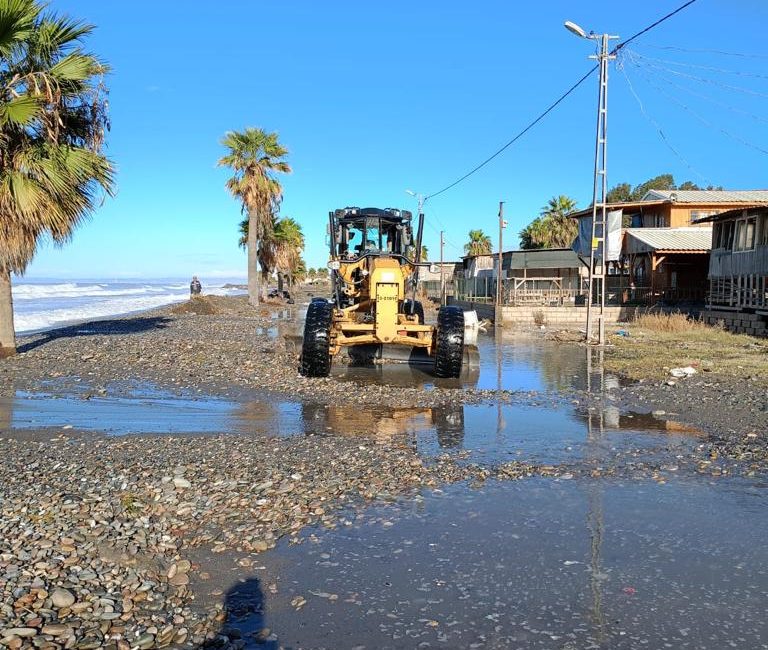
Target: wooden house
<point>666,241</point>
<point>738,270</point>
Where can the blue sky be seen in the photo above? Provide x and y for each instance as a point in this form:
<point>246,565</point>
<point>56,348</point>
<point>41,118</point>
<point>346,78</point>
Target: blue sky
<point>374,98</point>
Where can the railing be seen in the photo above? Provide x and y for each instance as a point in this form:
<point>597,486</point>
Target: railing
<point>515,291</point>
<point>550,291</point>
<point>749,291</point>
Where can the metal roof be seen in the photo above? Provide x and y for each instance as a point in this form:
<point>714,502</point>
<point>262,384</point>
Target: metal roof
<point>541,258</point>
<point>735,213</point>
<point>626,205</point>
<point>646,240</point>
<point>708,196</point>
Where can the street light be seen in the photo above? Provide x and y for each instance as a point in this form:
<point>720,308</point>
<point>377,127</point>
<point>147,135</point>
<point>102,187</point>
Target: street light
<point>574,28</point>
<point>600,185</point>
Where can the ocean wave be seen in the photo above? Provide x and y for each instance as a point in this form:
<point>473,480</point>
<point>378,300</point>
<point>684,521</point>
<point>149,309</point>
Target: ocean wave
<point>49,305</point>
<point>73,290</point>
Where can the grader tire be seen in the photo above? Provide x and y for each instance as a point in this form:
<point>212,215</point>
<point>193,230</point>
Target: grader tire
<point>315,349</point>
<point>449,345</point>
<point>411,307</point>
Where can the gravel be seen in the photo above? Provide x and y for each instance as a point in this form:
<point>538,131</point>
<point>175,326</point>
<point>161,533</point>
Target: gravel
<point>98,536</point>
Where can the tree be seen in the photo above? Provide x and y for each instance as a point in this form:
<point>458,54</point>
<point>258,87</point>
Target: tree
<point>53,120</point>
<point>661,182</point>
<point>410,252</point>
<point>553,228</point>
<point>288,241</point>
<point>623,192</point>
<point>479,243</point>
<point>620,193</point>
<point>533,235</point>
<point>255,157</point>
<point>280,249</point>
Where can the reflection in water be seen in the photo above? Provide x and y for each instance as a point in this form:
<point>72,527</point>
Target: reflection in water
<point>387,424</point>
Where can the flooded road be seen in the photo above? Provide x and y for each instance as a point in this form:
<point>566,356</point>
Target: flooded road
<point>565,563</point>
<point>538,426</point>
<point>535,564</point>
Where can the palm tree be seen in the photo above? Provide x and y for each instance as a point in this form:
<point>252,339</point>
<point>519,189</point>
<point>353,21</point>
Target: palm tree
<point>52,124</point>
<point>410,252</point>
<point>561,230</point>
<point>288,242</point>
<point>278,250</point>
<point>553,228</point>
<point>479,243</point>
<point>533,235</point>
<point>255,156</point>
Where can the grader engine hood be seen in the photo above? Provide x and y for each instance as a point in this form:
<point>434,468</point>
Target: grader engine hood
<point>387,290</point>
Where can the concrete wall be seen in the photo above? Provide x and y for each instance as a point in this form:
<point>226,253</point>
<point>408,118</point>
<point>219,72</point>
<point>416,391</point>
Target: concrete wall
<point>557,317</point>
<point>739,323</point>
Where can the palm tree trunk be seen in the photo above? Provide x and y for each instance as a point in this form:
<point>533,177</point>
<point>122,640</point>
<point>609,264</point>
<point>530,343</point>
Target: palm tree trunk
<point>7,331</point>
<point>254,288</point>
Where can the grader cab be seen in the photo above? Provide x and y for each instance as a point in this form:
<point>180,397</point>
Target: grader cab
<point>374,262</point>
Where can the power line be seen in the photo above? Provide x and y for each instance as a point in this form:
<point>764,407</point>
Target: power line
<point>651,26</point>
<point>705,121</point>
<point>682,64</point>
<point>690,91</point>
<point>660,131</point>
<point>714,82</point>
<point>744,55</point>
<point>517,137</point>
<point>554,104</point>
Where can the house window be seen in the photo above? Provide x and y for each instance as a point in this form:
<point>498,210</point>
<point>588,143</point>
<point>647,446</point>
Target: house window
<point>654,221</point>
<point>764,231</point>
<point>723,237</point>
<point>744,237</point>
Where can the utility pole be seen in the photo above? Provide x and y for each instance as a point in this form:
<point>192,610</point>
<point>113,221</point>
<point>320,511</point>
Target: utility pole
<point>442,279</point>
<point>499,284</point>
<point>597,246</point>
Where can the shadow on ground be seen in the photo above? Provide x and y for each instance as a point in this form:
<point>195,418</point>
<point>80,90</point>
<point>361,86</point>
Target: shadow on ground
<point>244,625</point>
<point>98,328</point>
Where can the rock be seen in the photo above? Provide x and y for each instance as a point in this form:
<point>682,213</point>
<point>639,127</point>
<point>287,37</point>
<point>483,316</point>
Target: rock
<point>23,632</point>
<point>181,483</point>
<point>62,598</point>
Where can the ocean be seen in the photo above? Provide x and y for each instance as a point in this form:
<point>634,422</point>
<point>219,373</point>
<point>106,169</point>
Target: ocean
<point>40,305</point>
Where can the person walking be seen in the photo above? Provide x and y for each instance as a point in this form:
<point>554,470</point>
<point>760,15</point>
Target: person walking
<point>195,288</point>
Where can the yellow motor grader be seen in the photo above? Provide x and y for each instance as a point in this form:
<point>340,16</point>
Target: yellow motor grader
<point>372,276</point>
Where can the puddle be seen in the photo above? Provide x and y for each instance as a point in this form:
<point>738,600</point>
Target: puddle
<point>540,429</point>
<point>519,364</point>
<point>530,564</point>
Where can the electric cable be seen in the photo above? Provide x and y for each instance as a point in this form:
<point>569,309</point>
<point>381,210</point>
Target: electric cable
<point>704,120</point>
<point>556,103</point>
<point>651,26</point>
<point>660,131</point>
<point>744,55</point>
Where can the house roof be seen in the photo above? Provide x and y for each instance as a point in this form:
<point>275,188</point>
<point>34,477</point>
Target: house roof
<point>708,196</point>
<point>669,240</point>
<point>735,213</point>
<point>542,258</point>
<point>627,205</point>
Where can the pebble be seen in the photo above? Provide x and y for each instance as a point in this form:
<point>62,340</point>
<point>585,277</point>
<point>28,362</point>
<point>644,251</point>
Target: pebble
<point>62,598</point>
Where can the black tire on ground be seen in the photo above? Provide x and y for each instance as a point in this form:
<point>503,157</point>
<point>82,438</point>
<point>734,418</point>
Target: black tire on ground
<point>449,347</point>
<point>414,307</point>
<point>315,355</point>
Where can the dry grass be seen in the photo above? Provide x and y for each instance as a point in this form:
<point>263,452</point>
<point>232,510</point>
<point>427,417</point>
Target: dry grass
<point>658,342</point>
<point>675,323</point>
